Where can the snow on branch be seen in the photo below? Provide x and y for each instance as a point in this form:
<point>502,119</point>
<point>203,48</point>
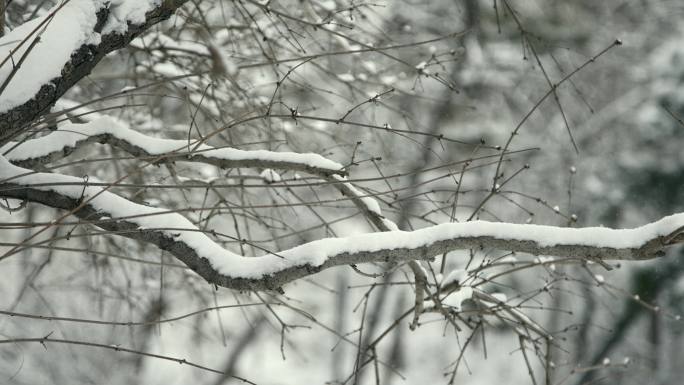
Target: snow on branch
<point>174,233</point>
<point>107,130</point>
<point>41,59</point>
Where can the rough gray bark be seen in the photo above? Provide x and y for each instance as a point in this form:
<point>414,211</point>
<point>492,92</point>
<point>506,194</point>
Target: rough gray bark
<point>83,60</point>
<point>201,266</point>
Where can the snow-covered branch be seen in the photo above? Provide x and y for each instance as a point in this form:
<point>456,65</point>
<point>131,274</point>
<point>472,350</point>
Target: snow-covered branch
<point>107,130</point>
<point>43,58</point>
<point>174,233</point>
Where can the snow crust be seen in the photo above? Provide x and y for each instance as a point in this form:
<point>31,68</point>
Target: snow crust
<point>127,11</point>
<point>270,176</point>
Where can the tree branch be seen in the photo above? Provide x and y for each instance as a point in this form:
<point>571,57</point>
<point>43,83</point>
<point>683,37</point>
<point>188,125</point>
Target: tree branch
<point>174,233</point>
<point>106,130</point>
<point>110,31</point>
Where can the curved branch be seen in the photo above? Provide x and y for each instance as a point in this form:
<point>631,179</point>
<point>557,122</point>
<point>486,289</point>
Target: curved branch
<point>225,268</point>
<point>107,130</point>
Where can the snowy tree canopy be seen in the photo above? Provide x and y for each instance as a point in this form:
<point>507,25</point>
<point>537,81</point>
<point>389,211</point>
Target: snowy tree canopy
<point>260,145</point>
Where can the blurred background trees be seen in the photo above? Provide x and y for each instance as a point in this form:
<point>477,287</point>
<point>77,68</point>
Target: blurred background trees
<point>418,99</point>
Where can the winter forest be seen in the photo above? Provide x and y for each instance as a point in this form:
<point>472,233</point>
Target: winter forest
<point>341,192</point>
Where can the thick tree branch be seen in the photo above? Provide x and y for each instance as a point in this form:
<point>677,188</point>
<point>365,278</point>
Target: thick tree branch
<point>81,61</point>
<point>175,234</point>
